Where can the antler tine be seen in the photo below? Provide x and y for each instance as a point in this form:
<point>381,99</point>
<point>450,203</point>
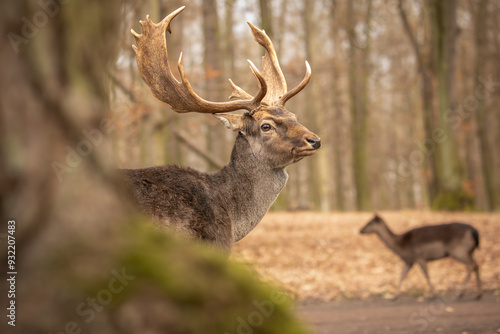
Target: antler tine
<point>262,84</point>
<point>291,93</point>
<point>152,62</point>
<point>271,69</point>
<point>238,93</point>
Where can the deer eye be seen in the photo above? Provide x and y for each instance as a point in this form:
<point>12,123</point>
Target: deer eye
<point>265,127</point>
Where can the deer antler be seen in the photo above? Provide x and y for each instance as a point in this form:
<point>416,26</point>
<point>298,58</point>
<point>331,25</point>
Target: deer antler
<point>152,62</point>
<point>277,90</point>
<point>292,92</point>
<point>271,70</point>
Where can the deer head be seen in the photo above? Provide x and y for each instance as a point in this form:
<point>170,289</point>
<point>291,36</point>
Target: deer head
<point>269,128</point>
<point>373,226</point>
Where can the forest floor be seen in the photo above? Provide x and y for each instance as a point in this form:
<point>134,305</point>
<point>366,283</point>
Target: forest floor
<point>329,268</point>
<point>406,315</point>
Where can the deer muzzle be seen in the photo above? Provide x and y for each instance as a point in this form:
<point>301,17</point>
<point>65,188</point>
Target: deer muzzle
<point>314,142</point>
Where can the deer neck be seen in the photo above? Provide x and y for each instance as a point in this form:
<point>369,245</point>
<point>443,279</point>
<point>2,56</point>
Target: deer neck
<point>389,238</point>
<point>249,187</point>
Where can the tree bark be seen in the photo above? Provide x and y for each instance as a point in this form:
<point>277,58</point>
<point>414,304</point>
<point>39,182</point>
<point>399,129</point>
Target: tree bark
<point>450,171</point>
<point>213,64</point>
<point>336,170</point>
<point>266,16</point>
<point>425,70</point>
<point>481,42</point>
<point>359,51</point>
<point>318,164</point>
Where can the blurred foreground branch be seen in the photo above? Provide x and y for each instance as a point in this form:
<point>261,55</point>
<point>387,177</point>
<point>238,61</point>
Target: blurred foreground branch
<point>85,261</point>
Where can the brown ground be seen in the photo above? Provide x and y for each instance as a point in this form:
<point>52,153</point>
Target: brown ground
<point>343,279</point>
<point>406,315</point>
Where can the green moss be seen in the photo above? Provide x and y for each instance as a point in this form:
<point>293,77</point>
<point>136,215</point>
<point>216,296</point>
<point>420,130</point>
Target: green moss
<point>181,287</point>
<point>454,201</point>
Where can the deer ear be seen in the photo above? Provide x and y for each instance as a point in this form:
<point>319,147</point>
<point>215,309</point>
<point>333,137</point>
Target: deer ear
<point>232,122</point>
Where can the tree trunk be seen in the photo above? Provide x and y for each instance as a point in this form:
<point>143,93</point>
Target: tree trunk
<point>213,78</point>
<point>358,91</point>
<point>425,70</point>
<point>319,189</point>
<point>266,16</point>
<point>481,43</point>
<point>450,173</point>
<point>336,168</point>
<point>229,39</point>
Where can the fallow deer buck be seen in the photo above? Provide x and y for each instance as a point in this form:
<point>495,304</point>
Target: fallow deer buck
<point>225,206</point>
<point>428,243</point>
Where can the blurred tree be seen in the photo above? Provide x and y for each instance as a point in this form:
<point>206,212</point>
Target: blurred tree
<point>213,64</point>
<point>450,171</point>
<point>481,20</point>
<point>85,261</point>
<point>425,70</point>
<point>319,187</point>
<point>359,51</point>
<point>267,18</point>
<point>446,185</point>
<point>229,61</point>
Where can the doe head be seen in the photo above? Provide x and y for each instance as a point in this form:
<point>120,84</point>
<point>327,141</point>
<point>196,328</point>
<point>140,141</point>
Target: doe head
<point>373,225</point>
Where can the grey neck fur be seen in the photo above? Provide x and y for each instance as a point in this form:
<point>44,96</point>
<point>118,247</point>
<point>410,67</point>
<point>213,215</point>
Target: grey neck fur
<point>248,186</point>
<point>389,238</point>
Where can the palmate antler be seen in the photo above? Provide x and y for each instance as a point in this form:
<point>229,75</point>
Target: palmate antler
<point>277,91</point>
<point>152,62</point>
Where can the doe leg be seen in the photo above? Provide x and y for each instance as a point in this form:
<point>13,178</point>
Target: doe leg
<point>423,266</point>
<point>404,272</point>
<point>464,282</point>
<point>478,282</point>
<point>471,266</point>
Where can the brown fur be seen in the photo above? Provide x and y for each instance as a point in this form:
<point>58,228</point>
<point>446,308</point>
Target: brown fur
<point>225,206</point>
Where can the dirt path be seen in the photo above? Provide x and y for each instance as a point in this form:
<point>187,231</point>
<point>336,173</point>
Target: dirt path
<point>407,315</point>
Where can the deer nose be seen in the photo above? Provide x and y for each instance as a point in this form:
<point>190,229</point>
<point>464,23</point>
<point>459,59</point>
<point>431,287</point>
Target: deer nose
<point>315,142</point>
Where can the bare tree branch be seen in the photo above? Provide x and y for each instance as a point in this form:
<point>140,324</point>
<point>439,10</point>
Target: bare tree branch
<point>411,36</point>
<point>183,137</point>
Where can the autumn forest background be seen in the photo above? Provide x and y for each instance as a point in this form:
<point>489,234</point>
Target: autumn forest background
<point>404,96</point>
